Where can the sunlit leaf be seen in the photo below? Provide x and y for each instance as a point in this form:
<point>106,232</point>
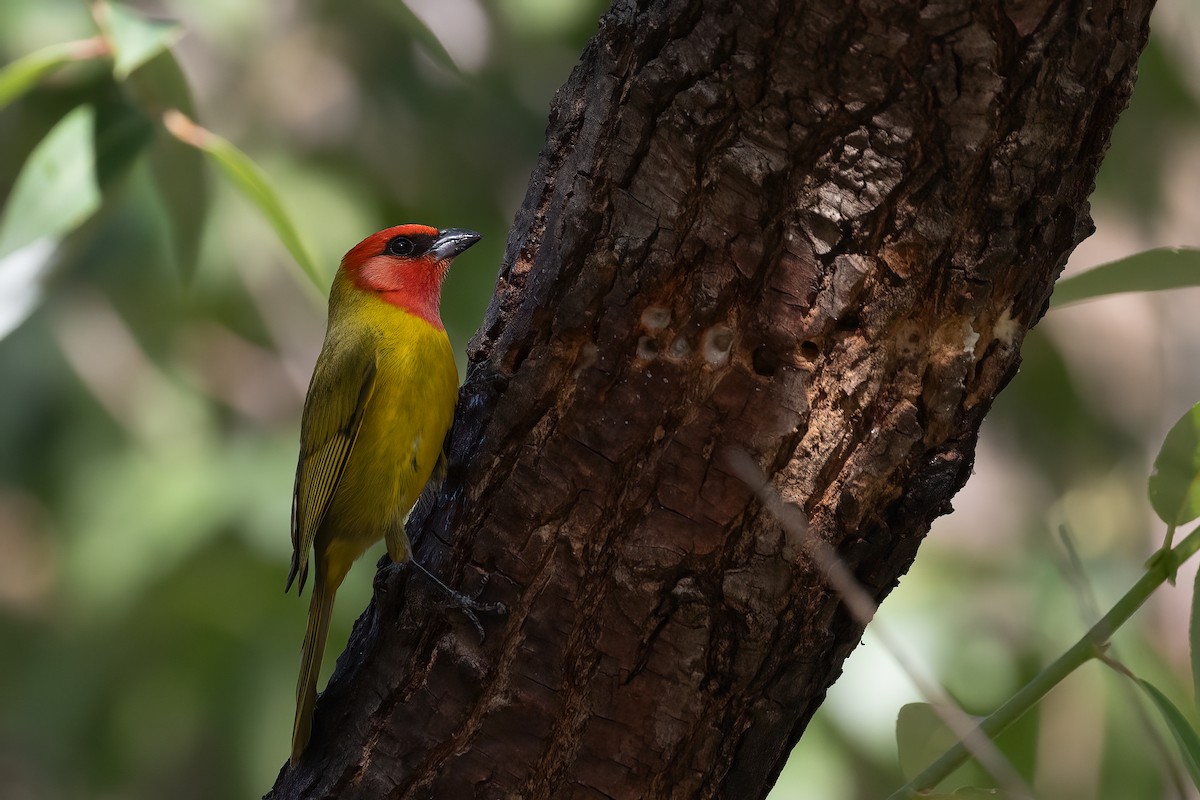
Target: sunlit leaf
<point>56,189</point>
<point>21,282</point>
<point>921,737</point>
<point>23,74</point>
<point>134,38</point>
<point>178,169</point>
<point>1174,485</point>
<point>1183,732</point>
<point>1151,271</point>
<point>250,180</point>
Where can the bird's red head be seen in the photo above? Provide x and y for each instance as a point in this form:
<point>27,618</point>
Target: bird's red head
<point>406,264</point>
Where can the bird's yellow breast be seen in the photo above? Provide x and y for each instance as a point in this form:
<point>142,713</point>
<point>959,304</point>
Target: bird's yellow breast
<point>403,425</point>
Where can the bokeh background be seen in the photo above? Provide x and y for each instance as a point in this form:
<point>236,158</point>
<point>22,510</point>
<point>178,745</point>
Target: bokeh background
<point>148,423</point>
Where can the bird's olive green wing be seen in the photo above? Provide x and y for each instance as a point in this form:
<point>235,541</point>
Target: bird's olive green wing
<point>338,398</point>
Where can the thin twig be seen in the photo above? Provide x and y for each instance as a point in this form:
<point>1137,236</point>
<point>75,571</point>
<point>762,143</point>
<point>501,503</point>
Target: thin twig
<point>1072,569</point>
<point>862,607</point>
<point>1091,645</point>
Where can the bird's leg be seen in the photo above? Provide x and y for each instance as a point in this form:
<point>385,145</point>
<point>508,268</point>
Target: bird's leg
<point>467,604</point>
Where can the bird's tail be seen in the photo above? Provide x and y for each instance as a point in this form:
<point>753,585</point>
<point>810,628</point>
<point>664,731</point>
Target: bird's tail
<point>319,611</point>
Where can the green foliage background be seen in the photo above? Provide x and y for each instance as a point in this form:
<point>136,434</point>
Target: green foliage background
<point>149,406</point>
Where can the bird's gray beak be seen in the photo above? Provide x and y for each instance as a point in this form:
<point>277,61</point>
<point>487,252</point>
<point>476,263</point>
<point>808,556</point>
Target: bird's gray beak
<point>453,241</point>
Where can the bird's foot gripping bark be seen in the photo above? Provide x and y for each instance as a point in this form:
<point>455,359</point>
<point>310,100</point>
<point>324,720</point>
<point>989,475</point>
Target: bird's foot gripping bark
<point>468,604</point>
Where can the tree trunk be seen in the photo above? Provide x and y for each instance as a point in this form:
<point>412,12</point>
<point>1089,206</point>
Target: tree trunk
<point>813,232</point>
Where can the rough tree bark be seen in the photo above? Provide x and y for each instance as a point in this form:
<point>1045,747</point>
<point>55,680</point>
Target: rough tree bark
<point>816,232</point>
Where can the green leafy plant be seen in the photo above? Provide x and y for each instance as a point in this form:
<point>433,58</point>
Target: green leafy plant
<point>1174,490</point>
<point>144,113</point>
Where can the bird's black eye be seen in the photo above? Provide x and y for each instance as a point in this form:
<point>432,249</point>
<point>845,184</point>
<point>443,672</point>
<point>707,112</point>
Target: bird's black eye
<point>400,246</point>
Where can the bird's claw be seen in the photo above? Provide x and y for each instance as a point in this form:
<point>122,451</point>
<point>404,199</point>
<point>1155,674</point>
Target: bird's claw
<point>468,604</point>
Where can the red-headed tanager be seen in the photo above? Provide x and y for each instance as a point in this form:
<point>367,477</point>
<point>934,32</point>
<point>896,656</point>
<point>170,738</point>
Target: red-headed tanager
<point>378,408</point>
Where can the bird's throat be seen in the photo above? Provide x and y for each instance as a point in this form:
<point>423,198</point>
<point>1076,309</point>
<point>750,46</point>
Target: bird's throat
<point>426,307</point>
<point>415,287</point>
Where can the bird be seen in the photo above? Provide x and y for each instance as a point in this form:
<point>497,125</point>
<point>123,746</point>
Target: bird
<point>378,409</point>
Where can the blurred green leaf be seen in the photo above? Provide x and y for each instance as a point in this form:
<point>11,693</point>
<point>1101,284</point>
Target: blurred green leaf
<point>921,737</point>
<point>966,793</point>
<point>178,169</point>
<point>122,132</point>
<point>134,38</point>
<point>1151,271</point>
<point>56,189</point>
<point>1183,732</point>
<point>182,184</point>
<point>23,74</point>
<point>1140,160</point>
<point>160,86</point>
<point>250,180</point>
<point>1194,641</point>
<point>1174,485</point>
<point>415,27</point>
